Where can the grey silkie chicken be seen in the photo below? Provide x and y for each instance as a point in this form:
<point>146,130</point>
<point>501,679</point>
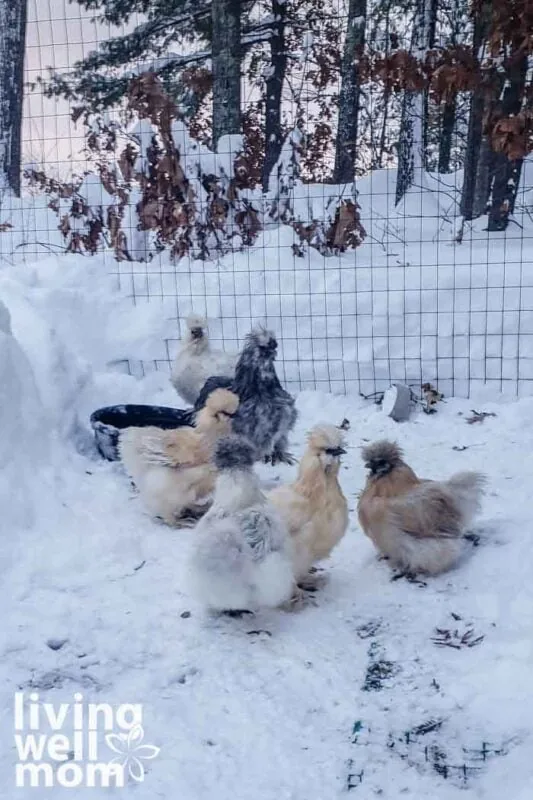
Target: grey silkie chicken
<point>266,411</point>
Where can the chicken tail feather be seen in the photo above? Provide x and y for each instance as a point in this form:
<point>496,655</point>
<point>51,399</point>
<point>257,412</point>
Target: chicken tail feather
<point>467,489</point>
<point>152,450</point>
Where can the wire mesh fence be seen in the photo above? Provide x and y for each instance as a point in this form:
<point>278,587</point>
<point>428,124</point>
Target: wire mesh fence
<point>374,279</point>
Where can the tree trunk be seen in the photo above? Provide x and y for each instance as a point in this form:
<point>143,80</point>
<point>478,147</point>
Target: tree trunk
<point>12,46</point>
<point>226,55</point>
<point>413,123</point>
<point>507,171</point>
<point>383,135</point>
<point>473,146</point>
<point>472,195</point>
<point>346,145</point>
<point>274,89</point>
<point>378,160</point>
<point>430,26</point>
<point>483,178</point>
<point>446,135</point>
<point>410,148</point>
<point>458,19</point>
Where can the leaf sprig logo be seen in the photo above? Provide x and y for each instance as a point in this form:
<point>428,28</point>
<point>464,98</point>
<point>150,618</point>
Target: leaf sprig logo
<point>59,745</point>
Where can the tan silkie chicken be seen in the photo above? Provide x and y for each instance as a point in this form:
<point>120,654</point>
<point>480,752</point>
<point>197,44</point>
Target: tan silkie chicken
<point>173,469</point>
<point>314,507</point>
<point>418,524</point>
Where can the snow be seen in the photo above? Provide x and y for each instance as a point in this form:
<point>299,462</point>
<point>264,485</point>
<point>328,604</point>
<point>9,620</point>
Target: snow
<point>139,242</point>
<point>22,429</point>
<point>34,229</point>
<point>142,132</point>
<point>307,41</point>
<point>68,317</point>
<point>279,705</point>
<point>93,191</point>
<point>411,304</point>
<point>228,148</point>
<point>198,160</point>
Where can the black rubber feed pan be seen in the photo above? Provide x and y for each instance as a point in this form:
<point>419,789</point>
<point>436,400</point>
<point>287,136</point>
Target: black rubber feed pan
<point>109,421</point>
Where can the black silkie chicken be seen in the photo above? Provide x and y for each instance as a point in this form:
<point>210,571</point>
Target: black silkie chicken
<point>266,411</point>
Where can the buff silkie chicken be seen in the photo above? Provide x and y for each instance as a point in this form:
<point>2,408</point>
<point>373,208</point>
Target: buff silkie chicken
<point>241,559</point>
<point>314,506</point>
<point>173,469</point>
<point>418,524</point>
<point>197,361</point>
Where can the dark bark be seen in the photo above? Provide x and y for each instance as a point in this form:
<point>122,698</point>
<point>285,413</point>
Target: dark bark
<point>378,159</point>
<point>413,123</point>
<point>226,55</point>
<point>410,145</point>
<point>12,47</point>
<point>506,171</point>
<point>473,146</point>
<point>274,89</point>
<point>446,135</point>
<point>483,178</point>
<point>431,23</point>
<point>383,134</point>
<point>346,144</point>
<point>476,179</point>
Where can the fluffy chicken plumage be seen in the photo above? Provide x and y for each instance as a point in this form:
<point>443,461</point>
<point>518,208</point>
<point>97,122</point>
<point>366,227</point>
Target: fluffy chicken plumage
<point>241,558</point>
<point>418,524</point>
<point>173,469</point>
<point>266,411</point>
<point>197,360</point>
<point>314,506</point>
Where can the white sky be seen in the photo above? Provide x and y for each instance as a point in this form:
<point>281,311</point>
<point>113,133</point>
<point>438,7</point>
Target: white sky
<point>58,34</point>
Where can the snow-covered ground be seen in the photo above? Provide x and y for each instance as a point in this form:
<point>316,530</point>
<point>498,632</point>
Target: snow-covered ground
<point>352,696</point>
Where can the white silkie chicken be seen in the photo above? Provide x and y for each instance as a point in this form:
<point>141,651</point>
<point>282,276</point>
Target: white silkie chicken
<point>197,361</point>
<point>242,554</point>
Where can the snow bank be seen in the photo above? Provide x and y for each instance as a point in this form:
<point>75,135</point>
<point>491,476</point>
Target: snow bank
<point>74,326</point>
<point>349,697</point>
<point>351,693</point>
<point>411,304</point>
<point>23,433</point>
<point>28,229</point>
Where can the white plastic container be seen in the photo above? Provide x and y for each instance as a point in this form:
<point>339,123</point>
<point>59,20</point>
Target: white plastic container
<point>397,402</point>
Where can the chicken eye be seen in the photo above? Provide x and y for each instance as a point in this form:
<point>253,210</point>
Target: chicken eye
<point>268,349</point>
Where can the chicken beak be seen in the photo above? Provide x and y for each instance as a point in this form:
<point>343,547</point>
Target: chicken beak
<point>336,451</point>
<point>197,333</point>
